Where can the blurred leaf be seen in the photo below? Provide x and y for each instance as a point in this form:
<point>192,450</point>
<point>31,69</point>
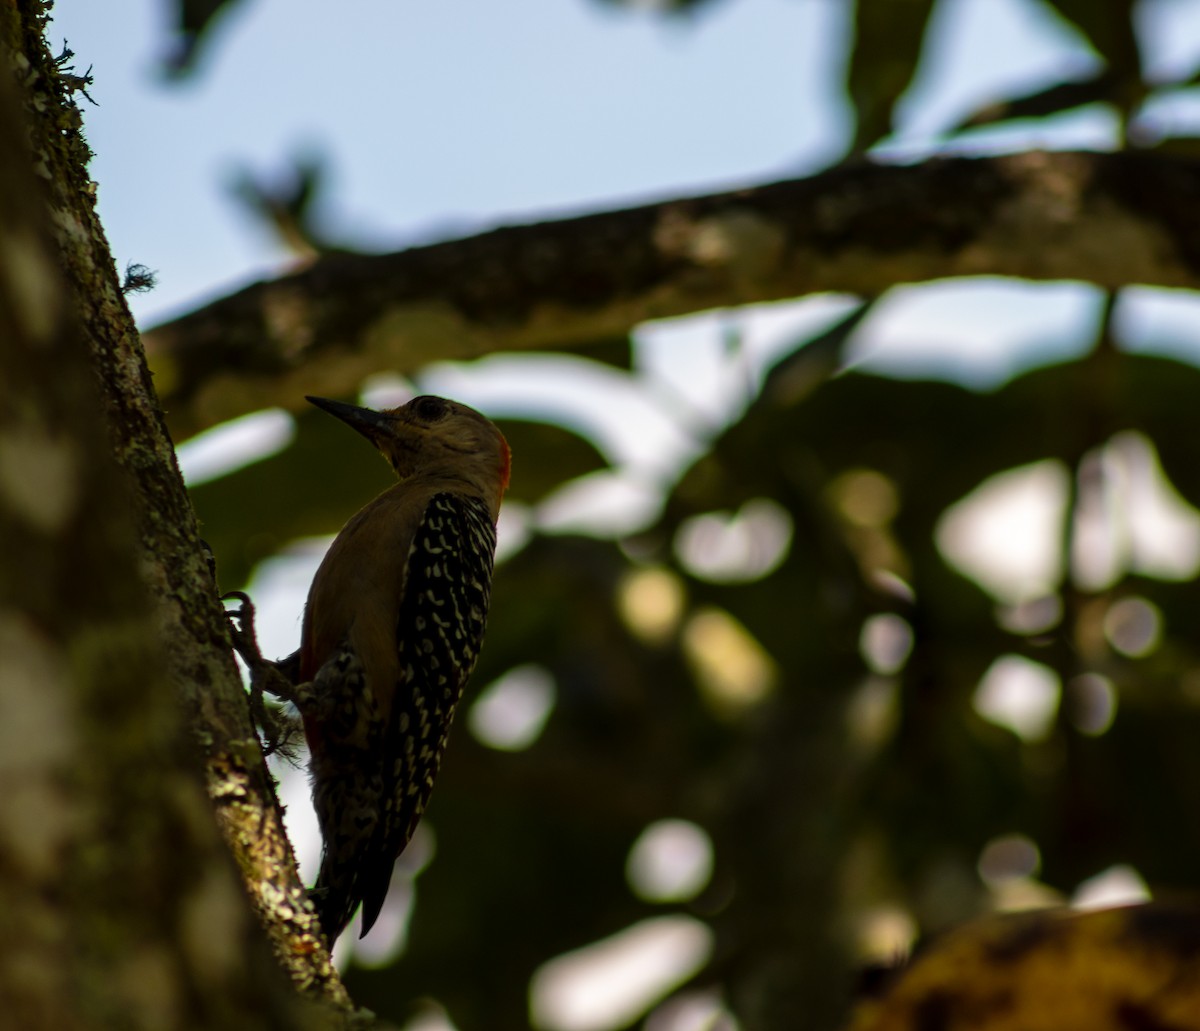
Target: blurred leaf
<point>286,203</point>
<point>1183,146</point>
<point>1060,97</point>
<point>1108,26</point>
<point>616,351</point>
<point>502,897</point>
<point>665,6</point>
<point>888,43</point>
<point>896,427</point>
<point>552,456</point>
<point>1159,395</point>
<point>947,781</point>
<point>556,603</point>
<point>194,20</point>
<point>1119,798</point>
<point>813,361</point>
<point>312,487</point>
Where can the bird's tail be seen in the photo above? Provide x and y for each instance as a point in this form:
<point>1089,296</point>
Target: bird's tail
<point>338,892</point>
<point>335,898</point>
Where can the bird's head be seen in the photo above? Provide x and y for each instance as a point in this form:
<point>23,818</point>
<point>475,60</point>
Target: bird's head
<point>431,436</point>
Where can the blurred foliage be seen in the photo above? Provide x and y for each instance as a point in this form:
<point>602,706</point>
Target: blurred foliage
<point>285,202</point>
<point>887,48</point>
<point>1130,968</point>
<point>193,22</point>
<point>832,791</point>
<point>531,845</point>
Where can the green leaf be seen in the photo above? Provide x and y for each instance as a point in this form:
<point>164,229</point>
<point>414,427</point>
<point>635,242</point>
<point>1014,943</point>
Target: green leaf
<point>888,43</point>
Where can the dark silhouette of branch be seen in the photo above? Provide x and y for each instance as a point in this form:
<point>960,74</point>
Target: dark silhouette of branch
<point>1112,219</point>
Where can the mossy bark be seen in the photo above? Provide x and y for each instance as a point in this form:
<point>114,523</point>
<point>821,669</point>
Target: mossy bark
<point>119,698</point>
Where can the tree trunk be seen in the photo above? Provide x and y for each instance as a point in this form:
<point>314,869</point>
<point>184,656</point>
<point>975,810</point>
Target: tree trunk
<point>117,895</point>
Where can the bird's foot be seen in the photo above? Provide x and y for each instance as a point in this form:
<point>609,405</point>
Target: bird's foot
<point>266,677</point>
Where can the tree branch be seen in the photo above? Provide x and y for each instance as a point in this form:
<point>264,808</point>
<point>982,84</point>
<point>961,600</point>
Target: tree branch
<point>1112,219</point>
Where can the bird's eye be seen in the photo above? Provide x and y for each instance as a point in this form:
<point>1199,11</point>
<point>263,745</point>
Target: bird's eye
<point>429,408</point>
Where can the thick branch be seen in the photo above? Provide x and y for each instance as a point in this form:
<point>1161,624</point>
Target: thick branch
<point>1109,218</point>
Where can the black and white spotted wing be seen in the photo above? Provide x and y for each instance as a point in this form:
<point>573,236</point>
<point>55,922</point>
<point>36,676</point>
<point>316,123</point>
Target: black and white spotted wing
<point>439,632</point>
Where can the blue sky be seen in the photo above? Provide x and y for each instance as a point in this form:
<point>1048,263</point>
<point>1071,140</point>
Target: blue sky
<point>440,118</point>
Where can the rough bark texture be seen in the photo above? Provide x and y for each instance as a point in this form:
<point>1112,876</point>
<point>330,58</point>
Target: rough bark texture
<point>1106,218</point>
<point>116,882</point>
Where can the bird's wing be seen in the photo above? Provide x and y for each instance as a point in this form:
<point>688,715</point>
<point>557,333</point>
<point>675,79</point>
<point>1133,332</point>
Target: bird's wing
<point>438,634</point>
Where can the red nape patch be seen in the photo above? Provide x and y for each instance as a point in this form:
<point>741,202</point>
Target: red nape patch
<point>505,463</point>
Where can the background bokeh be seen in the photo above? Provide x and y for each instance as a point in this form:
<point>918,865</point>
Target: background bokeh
<point>818,626</point>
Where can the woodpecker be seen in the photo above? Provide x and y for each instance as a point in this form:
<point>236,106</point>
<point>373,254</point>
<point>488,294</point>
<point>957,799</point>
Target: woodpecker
<point>392,628</point>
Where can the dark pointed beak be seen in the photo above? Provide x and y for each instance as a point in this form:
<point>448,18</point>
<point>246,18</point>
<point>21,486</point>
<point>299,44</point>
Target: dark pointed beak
<point>369,423</point>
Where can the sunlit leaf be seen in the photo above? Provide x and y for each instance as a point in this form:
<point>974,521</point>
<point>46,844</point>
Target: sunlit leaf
<point>1105,971</point>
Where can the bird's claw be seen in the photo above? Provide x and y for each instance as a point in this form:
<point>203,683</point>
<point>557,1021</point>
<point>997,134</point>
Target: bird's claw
<point>265,677</point>
<point>241,627</point>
